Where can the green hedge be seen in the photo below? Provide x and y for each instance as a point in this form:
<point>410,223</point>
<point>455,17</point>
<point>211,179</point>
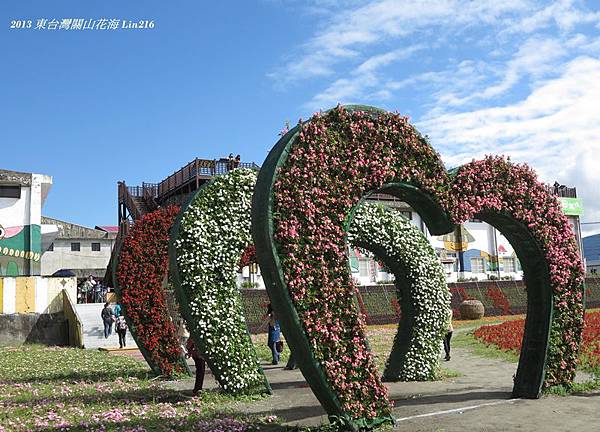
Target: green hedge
<point>380,301</point>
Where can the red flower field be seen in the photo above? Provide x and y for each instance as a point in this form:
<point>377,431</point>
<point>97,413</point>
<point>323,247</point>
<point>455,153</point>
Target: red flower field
<point>508,336</point>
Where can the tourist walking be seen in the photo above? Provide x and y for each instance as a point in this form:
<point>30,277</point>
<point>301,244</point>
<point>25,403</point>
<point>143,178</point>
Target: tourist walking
<point>236,161</point>
<point>230,162</point>
<point>117,310</point>
<point>448,337</point>
<point>198,362</point>
<point>121,329</point>
<point>274,334</point>
<point>108,317</point>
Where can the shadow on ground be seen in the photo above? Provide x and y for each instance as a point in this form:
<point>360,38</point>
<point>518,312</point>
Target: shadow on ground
<point>452,398</point>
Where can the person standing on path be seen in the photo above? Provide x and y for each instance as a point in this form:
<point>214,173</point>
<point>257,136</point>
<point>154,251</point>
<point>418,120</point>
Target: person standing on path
<point>198,362</point>
<point>121,329</point>
<point>448,337</point>
<point>274,334</point>
<point>108,317</point>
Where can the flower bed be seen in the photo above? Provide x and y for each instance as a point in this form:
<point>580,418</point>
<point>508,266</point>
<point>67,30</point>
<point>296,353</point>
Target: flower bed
<point>210,237</point>
<point>141,273</point>
<point>380,301</point>
<point>509,335</point>
<point>421,286</point>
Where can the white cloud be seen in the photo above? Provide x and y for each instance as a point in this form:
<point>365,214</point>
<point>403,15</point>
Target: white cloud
<point>520,78</point>
<point>346,33</point>
<point>363,83</point>
<point>535,57</point>
<point>563,13</point>
<point>556,129</point>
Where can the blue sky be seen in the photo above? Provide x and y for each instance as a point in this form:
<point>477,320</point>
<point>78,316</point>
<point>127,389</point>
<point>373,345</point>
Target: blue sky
<point>520,78</point>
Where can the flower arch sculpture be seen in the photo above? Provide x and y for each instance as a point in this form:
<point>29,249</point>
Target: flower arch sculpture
<point>306,190</point>
<point>510,197</point>
<point>141,272</point>
<point>421,283</point>
<point>207,242</point>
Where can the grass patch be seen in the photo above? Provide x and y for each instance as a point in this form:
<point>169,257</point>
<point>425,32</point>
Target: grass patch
<point>463,324</point>
<point>574,388</point>
<point>43,389</point>
<point>467,341</point>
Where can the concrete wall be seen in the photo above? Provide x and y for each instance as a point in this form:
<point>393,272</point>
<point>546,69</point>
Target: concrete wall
<point>48,329</point>
<point>63,258</point>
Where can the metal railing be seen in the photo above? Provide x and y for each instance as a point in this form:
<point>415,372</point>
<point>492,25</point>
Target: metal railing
<point>126,196</point>
<point>199,169</point>
<point>562,191</point>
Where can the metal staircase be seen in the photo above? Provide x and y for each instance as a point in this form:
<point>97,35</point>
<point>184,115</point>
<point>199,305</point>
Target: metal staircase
<point>135,201</point>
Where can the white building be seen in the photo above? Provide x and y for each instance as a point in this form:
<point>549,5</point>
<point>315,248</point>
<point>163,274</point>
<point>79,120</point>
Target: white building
<point>83,250</point>
<point>480,252</point>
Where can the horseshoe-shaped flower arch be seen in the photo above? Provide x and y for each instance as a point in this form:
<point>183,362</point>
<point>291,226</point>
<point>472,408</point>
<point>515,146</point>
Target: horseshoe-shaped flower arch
<point>421,284</point>
<point>140,273</point>
<point>306,190</point>
<point>393,238</point>
<point>207,242</point>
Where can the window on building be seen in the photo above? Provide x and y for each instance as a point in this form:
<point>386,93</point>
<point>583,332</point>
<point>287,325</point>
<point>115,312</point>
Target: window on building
<point>10,191</point>
<point>477,265</point>
<point>509,265</point>
<point>51,247</point>
<point>363,267</point>
<point>95,247</point>
<point>75,247</point>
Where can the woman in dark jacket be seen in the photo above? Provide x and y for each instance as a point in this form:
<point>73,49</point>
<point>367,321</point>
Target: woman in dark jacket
<point>108,317</point>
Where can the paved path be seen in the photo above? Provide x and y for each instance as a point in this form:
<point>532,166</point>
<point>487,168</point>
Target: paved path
<point>478,400</point>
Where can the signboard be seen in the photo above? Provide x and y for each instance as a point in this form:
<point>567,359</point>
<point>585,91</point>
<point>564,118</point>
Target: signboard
<point>572,206</point>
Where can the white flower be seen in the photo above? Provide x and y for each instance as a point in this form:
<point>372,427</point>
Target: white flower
<point>214,231</point>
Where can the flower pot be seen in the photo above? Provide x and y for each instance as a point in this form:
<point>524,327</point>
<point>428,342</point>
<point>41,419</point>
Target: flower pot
<point>471,310</point>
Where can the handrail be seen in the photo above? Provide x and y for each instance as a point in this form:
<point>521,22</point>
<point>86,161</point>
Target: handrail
<point>75,324</point>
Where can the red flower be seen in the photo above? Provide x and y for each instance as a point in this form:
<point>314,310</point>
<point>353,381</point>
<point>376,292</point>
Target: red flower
<point>141,272</point>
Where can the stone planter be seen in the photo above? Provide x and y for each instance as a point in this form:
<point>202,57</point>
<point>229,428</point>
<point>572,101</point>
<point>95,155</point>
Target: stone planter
<point>471,310</point>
